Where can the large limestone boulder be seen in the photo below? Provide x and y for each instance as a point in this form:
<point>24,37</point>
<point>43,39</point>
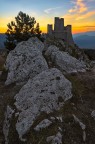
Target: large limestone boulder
<point>46,92</point>
<point>25,61</point>
<point>63,61</point>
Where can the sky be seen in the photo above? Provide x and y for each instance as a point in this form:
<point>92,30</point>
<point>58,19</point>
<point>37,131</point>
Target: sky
<point>79,13</point>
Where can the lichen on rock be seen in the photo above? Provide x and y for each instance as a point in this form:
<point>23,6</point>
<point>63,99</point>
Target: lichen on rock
<point>25,61</point>
<point>41,94</point>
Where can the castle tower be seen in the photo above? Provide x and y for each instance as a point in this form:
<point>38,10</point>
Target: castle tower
<point>70,40</point>
<point>62,24</point>
<point>56,24</point>
<point>59,28</point>
<point>59,24</point>
<point>49,29</point>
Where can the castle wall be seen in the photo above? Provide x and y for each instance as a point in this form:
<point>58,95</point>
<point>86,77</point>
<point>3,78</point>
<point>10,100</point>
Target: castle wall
<point>49,29</point>
<point>70,40</point>
<point>59,35</point>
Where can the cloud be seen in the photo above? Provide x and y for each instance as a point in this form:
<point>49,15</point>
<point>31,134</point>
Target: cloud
<point>85,26</point>
<point>51,9</point>
<point>89,26</point>
<point>80,12</point>
<point>87,15</point>
<point>79,6</point>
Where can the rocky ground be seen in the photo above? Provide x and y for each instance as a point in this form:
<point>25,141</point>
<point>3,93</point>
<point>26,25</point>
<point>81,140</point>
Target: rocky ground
<point>49,100</point>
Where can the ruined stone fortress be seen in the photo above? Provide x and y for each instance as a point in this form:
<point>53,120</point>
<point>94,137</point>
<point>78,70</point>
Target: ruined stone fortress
<point>60,31</point>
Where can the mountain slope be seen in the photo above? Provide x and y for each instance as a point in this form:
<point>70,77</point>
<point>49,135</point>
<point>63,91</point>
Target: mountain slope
<point>85,41</point>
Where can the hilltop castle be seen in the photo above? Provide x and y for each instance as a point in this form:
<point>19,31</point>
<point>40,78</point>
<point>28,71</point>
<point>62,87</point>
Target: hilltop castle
<point>60,31</point>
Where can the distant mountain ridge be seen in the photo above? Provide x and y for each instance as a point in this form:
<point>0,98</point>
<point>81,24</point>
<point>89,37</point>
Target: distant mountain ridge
<point>85,40</point>
<point>2,40</point>
<point>89,33</point>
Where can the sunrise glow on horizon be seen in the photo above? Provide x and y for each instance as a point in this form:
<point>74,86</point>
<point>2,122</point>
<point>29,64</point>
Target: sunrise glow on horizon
<point>79,13</point>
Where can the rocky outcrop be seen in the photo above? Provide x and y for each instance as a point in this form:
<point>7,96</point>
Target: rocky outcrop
<point>74,51</point>
<point>42,110</point>
<point>25,61</point>
<point>46,92</point>
<point>63,61</point>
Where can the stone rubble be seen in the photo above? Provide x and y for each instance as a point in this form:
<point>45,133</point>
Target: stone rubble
<point>55,139</point>
<point>43,124</point>
<point>59,118</point>
<point>83,127</point>
<point>93,114</point>
<point>8,116</point>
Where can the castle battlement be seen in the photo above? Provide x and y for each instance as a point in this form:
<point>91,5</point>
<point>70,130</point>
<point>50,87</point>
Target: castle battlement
<point>60,31</point>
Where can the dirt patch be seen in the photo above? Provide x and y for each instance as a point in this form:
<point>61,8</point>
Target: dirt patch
<point>2,61</point>
<point>81,104</point>
<point>7,94</point>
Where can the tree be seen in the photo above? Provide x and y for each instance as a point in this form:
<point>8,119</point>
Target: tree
<point>38,31</point>
<point>21,30</point>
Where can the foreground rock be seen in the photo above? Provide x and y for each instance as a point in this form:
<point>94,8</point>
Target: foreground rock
<point>93,114</point>
<point>43,124</point>
<point>64,61</point>
<point>43,110</point>
<point>46,92</point>
<point>83,127</point>
<point>57,139</point>
<point>25,61</point>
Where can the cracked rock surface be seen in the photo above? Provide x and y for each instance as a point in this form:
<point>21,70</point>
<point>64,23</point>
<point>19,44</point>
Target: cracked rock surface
<point>25,61</point>
<point>65,62</point>
<point>44,93</point>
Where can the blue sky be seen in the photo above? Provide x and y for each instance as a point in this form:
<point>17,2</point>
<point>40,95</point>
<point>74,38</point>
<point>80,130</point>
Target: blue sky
<point>79,13</point>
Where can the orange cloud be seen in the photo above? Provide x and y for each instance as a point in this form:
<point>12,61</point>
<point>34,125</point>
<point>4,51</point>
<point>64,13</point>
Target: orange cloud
<point>87,15</point>
<point>79,7</point>
<point>82,29</point>
<point>80,22</point>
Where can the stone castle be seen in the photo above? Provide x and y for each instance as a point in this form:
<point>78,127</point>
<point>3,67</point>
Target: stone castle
<point>60,31</point>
